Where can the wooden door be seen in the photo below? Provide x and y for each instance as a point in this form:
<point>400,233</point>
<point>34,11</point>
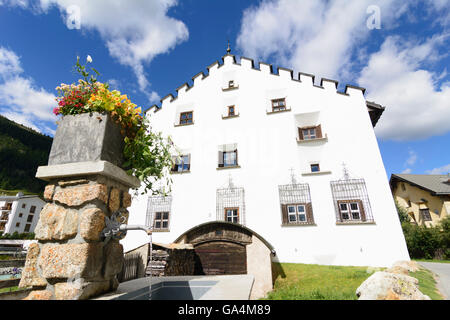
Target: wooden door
<point>221,257</point>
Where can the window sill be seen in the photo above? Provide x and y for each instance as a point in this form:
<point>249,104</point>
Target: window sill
<point>354,223</point>
<point>229,167</point>
<point>230,117</point>
<point>160,230</point>
<point>230,88</point>
<point>184,124</point>
<point>180,172</point>
<point>315,173</point>
<point>307,224</point>
<point>281,111</point>
<point>324,139</point>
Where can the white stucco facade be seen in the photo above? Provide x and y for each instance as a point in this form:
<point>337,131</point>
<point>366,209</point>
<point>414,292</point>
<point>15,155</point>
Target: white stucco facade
<point>268,153</point>
<point>19,213</point>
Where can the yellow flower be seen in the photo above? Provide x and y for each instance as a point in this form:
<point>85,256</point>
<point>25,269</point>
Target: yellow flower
<point>138,110</point>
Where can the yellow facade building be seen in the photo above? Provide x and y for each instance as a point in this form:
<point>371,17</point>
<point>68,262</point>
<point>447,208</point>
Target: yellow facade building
<point>426,197</point>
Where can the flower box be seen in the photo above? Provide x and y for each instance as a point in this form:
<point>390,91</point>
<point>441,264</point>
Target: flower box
<point>87,137</point>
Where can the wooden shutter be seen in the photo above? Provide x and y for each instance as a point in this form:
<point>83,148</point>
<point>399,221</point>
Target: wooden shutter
<point>361,210</point>
<point>309,213</point>
<point>284,214</point>
<point>319,131</point>
<point>174,163</point>
<point>220,162</point>
<point>300,133</point>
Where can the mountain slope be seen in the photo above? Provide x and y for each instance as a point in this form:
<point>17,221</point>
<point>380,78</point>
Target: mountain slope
<point>22,150</point>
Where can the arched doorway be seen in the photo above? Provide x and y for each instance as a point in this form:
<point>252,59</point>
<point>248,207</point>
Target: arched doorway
<point>229,248</point>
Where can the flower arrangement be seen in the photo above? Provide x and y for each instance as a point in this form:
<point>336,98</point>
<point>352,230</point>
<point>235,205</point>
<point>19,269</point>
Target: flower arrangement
<point>146,153</point>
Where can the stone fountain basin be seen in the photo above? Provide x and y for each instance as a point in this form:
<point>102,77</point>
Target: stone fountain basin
<point>224,287</point>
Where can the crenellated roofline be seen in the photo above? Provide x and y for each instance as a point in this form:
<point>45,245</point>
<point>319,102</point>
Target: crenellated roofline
<point>263,66</point>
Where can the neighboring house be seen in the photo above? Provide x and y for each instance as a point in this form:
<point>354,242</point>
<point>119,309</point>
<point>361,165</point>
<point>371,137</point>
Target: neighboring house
<point>274,164</point>
<point>426,197</point>
<point>19,213</point>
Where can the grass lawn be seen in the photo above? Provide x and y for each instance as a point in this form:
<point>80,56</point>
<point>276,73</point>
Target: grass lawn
<point>429,260</point>
<point>427,284</point>
<point>11,289</point>
<point>316,282</point>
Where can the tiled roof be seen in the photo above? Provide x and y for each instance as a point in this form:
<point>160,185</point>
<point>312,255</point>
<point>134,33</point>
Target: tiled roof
<point>436,183</point>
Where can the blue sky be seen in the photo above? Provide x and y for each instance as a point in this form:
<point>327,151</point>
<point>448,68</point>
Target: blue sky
<point>148,48</point>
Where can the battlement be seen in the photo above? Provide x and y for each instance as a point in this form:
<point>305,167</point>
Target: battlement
<point>309,79</point>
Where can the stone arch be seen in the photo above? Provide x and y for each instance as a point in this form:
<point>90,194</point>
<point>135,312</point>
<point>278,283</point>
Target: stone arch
<point>229,248</point>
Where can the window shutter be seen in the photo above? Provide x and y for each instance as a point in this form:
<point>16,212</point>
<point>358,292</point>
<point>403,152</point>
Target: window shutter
<point>361,209</point>
<point>300,133</point>
<point>174,163</point>
<point>309,213</point>
<point>284,214</point>
<point>319,131</point>
<point>220,162</point>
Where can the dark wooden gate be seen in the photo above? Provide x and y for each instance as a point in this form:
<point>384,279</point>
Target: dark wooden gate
<point>222,257</point>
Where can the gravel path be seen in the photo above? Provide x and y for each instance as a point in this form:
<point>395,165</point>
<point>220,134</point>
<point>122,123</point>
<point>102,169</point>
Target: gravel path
<point>443,272</point>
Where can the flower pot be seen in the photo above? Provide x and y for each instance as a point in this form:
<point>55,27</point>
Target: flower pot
<point>87,137</point>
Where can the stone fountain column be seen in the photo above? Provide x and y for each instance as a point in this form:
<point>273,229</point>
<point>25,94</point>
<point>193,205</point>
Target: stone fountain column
<point>71,261</point>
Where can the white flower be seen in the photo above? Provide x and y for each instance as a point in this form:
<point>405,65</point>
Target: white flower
<point>89,59</point>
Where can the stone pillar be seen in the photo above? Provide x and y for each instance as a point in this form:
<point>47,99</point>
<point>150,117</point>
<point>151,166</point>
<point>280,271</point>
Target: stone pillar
<point>71,261</point>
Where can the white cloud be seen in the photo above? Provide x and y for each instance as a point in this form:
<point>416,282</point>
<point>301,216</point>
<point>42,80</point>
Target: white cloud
<point>407,171</point>
<point>133,31</point>
<point>415,107</point>
<point>442,170</point>
<point>412,158</point>
<point>9,63</point>
<point>20,99</point>
<point>311,35</point>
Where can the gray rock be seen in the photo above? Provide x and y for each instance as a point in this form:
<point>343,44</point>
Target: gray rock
<point>390,286</point>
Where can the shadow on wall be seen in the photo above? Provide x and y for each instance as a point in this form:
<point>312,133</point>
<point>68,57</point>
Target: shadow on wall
<point>277,271</point>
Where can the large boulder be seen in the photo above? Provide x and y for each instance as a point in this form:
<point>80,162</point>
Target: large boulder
<point>411,266</point>
<point>390,286</point>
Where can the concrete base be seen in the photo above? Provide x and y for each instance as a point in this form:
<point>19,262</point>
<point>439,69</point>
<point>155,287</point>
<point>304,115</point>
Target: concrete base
<point>227,287</point>
<point>87,168</point>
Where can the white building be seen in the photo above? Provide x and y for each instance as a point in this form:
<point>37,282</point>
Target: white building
<point>296,163</point>
<point>19,213</point>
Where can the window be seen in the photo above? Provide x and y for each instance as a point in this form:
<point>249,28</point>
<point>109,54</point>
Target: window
<point>186,117</point>
<point>182,163</point>
<point>297,213</point>
<point>161,221</point>
<point>17,224</point>
<point>310,133</point>
<point>30,218</point>
<point>24,205</point>
<point>403,187</point>
<point>232,215</point>
<point>20,215</point>
<point>27,228</point>
<point>228,158</point>
<point>315,167</point>
<point>231,111</point>
<point>351,210</point>
<point>230,84</point>
<point>278,105</point>
<point>409,203</point>
<point>425,213</point>
<point>32,209</point>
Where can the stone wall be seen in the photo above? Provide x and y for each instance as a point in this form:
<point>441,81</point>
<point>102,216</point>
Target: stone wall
<point>71,260</point>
